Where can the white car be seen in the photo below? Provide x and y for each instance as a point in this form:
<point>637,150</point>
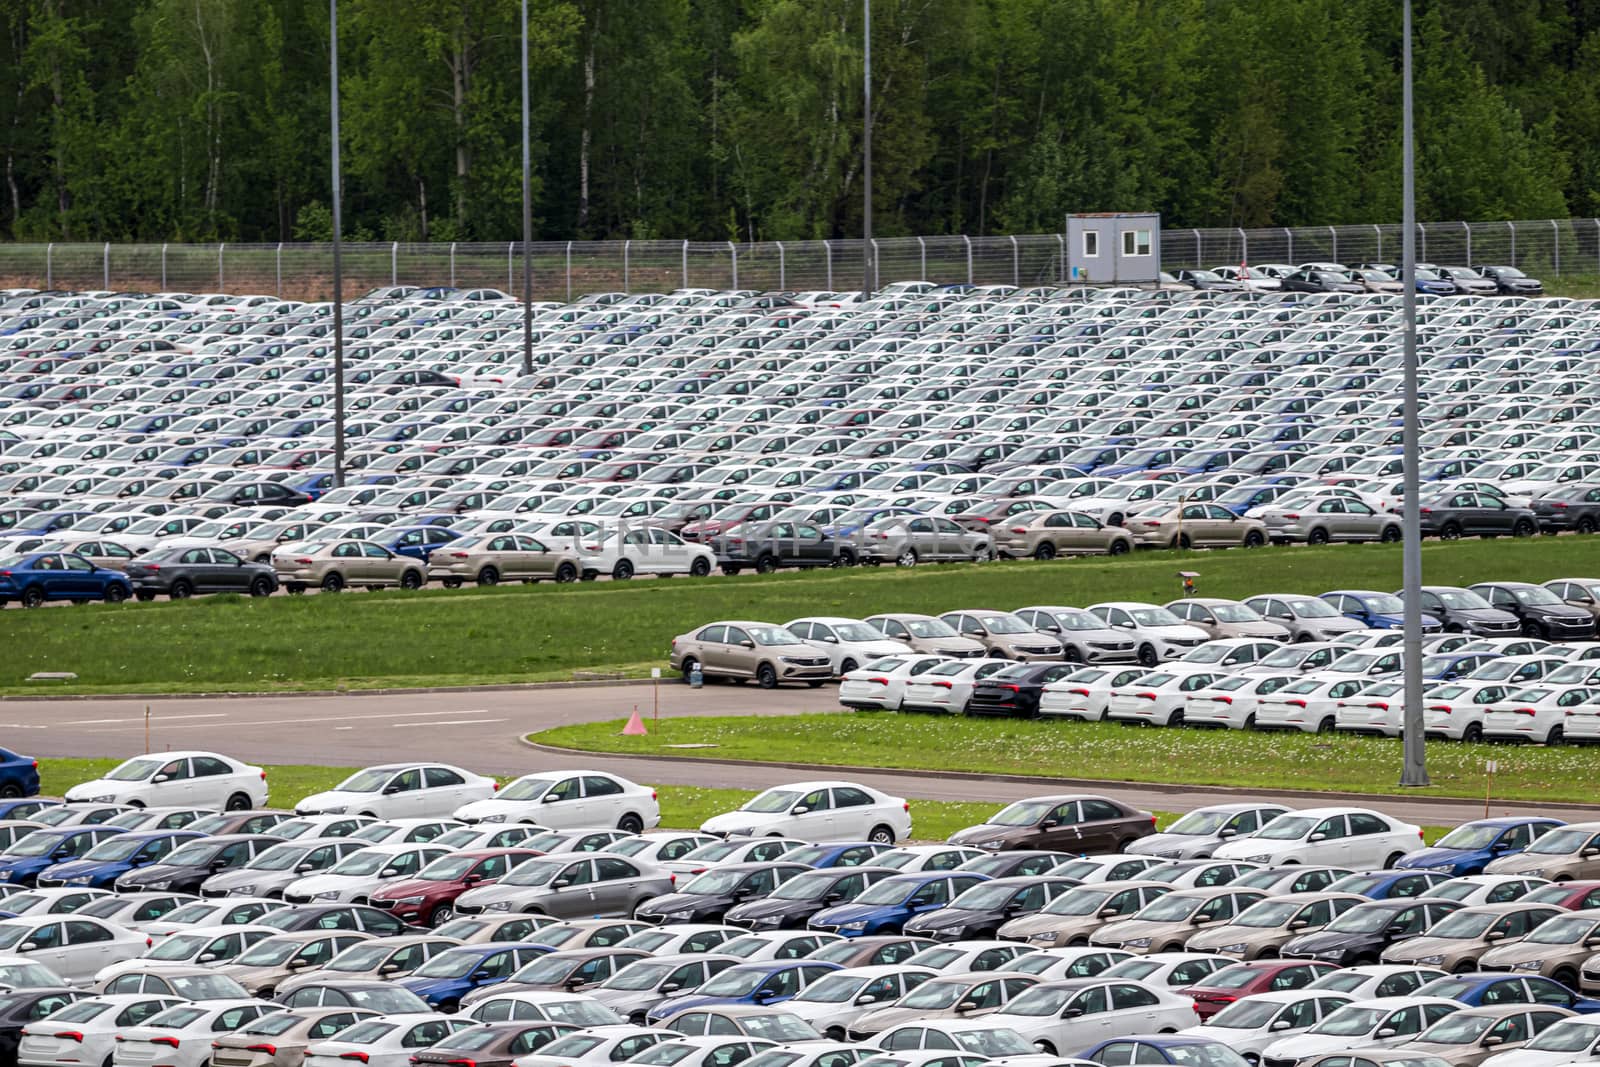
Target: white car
<point>1250,1024</point>
<point>1157,698</point>
<point>178,779</point>
<point>181,1036</point>
<point>200,945</point>
<point>1455,710</point>
<point>228,912</point>
<point>848,642</point>
<point>1572,1040</point>
<point>834,1001</point>
<point>136,910</point>
<point>911,858</point>
<point>660,846</point>
<point>1378,709</point>
<point>1061,964</point>
<point>1300,658</point>
<point>83,1033</point>
<point>1358,1024</point>
<point>733,850</point>
<point>409,831</point>
<point>1310,705</point>
<point>880,685</point>
<point>1232,701</point>
<point>1377,980</point>
<point>353,879</point>
<point>946,687</point>
<point>72,946</point>
<point>1583,722</point>
<point>52,900</point>
<point>1159,634</point>
<point>387,1041</point>
<point>400,790</point>
<point>818,811</point>
<point>597,1046</point>
<point>645,550</point>
<point>962,957</point>
<point>1084,694</point>
<point>698,1051</point>
<point>1070,1015</point>
<point>1536,714</point>
<point>1197,834</point>
<point>810,1054</point>
<point>312,826</point>
<point>1357,838</point>
<point>1470,889</point>
<point>1084,636</point>
<point>564,800</point>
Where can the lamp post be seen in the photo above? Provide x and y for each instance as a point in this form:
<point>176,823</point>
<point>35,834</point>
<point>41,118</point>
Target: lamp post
<point>527,214</point>
<point>1415,770</point>
<point>338,242</point>
<point>868,267</point>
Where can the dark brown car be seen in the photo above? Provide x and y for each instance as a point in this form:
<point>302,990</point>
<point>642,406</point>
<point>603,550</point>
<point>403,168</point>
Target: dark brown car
<point>1071,822</point>
<point>494,1044</point>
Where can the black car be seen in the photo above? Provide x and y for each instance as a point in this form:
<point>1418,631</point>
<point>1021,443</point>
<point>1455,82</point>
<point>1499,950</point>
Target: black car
<point>1016,690</point>
<point>19,1007</point>
<point>1541,612</point>
<point>253,494</point>
<point>1572,507</point>
<point>1464,513</point>
<point>711,895</point>
<point>183,572</point>
<point>1019,862</point>
<point>184,868</point>
<point>362,917</point>
<point>987,906</point>
<point>1464,611</point>
<point>1511,281</point>
<point>1360,935</point>
<point>1320,281</point>
<point>1207,279</point>
<point>765,546</point>
<point>794,902</point>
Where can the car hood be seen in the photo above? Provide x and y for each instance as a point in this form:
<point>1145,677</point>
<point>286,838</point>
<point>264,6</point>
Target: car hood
<point>1174,845</point>
<point>769,907</point>
<point>484,895</point>
<point>227,881</point>
<point>312,884</point>
<point>730,821</point>
<point>846,913</point>
<point>333,800</point>
<point>676,902</point>
<point>946,918</point>
<point>414,888</point>
<point>482,810</point>
<point>1482,614</point>
<point>985,831</point>
<point>98,788</point>
<point>1327,941</point>
<point>1524,863</point>
<point>157,872</point>
<point>1304,1045</point>
<point>79,868</point>
<point>1502,956</point>
<point>1439,857</point>
<point>1413,948</point>
<point>1130,929</point>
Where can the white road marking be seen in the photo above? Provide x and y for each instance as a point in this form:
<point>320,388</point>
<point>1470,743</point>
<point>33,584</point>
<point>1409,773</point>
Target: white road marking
<point>443,722</point>
<point>333,718</point>
<point>139,719</point>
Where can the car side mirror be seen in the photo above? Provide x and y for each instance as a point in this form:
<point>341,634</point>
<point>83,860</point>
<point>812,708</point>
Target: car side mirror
<point>482,975</point>
<point>302,868</point>
<point>1314,838</point>
<point>390,790</point>
<point>1495,935</point>
<point>867,998</point>
<point>1106,913</point>
<point>207,957</point>
<point>830,640</point>
<point>1227,832</point>
<point>158,779</point>
<point>1071,1012</point>
<point>966,1006</point>
<point>574,982</point>
<point>218,864</point>
<point>388,968</point>
<point>799,809</point>
<point>1386,1032</point>
<point>28,946</point>
<point>1201,920</point>
<point>1592,942</point>
<point>1589,853</point>
<point>1492,1040</point>
<point>549,798</point>
<point>671,987</point>
<point>472,879</point>
<point>1049,824</point>
<point>561,883</point>
<point>833,898</point>
<point>389,872</point>
<point>747,644</point>
<point>298,965</point>
<point>1279,1024</point>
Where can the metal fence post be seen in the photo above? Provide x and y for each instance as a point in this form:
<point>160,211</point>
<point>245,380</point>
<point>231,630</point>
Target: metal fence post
<point>827,250</point>
<point>1199,260</point>
<point>221,286</point>
<point>627,249</point>
<point>164,269</point>
<point>452,264</point>
<point>569,271</point>
<point>922,260</point>
<point>877,269</point>
<point>1422,231</point>
<point>277,267</point>
<point>1289,252</point>
<point>967,239</point>
<point>733,252</point>
<point>106,267</point>
<point>1555,245</point>
<point>1333,235</point>
<point>511,265</point>
<point>685,264</point>
<point>394,263</point>
<point>49,265</point>
<point>1244,247</point>
<point>782,272</point>
<point>1061,257</point>
<point>1467,226</point>
<point>1513,228</point>
<point>1016,263</point>
<point>1379,231</point>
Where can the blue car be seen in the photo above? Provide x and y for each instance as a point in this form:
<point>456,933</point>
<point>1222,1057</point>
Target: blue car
<point>1160,1048</point>
<point>22,862</point>
<point>19,777</point>
<point>1488,988</point>
<point>1378,611</point>
<point>37,577</point>
<point>418,542</point>
<point>24,809</point>
<point>455,972</point>
<point>767,982</point>
<point>1470,846</point>
<point>100,866</point>
<point>837,854</point>
<point>1387,885</point>
<point>885,907</point>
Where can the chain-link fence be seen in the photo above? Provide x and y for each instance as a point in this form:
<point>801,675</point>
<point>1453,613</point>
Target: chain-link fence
<point>564,270</point>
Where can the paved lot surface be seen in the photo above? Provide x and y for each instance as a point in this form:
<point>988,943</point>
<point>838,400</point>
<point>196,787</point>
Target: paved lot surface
<point>481,730</point>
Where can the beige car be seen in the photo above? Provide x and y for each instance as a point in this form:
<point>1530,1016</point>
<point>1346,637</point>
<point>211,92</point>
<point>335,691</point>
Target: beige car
<point>265,964</point>
<point>740,651</point>
<point>1456,942</point>
<point>100,552</point>
<point>261,543</point>
<point>924,633</point>
<point>332,565</point>
<point>1263,928</point>
<point>1003,635</point>
<point>1226,618</point>
<point>1048,534</point>
<point>280,1039</point>
<point>384,958</point>
<point>1468,1037</point>
<point>1196,526</point>
<point>488,559</point>
<point>1071,918</point>
<point>1558,949</point>
<point>1165,924</point>
<point>1567,853</point>
<point>956,996</point>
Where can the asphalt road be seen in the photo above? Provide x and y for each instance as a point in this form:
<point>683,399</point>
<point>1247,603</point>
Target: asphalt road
<point>481,730</point>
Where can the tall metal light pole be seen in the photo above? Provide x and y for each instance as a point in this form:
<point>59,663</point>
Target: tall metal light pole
<point>1415,771</point>
<point>527,214</point>
<point>867,266</point>
<point>338,242</point>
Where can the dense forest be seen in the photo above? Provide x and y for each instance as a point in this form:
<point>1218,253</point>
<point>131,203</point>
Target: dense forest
<point>741,119</point>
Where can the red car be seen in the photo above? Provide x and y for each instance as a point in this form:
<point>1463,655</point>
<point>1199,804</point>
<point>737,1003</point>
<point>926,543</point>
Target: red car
<point>1574,896</point>
<point>1221,988</point>
<point>428,899</point>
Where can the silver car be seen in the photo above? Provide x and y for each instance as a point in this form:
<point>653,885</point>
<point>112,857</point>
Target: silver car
<point>1307,618</point>
<point>572,886</point>
<point>909,540</point>
<point>1084,637</point>
<point>1328,518</point>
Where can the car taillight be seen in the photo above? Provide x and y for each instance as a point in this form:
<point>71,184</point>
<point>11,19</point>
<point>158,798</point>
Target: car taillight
<point>943,685</point>
<point>1296,703</point>
<point>458,555</point>
<point>652,794</point>
<point>1223,699</point>
<point>270,1050</point>
<point>149,942</point>
<point>151,567</point>
<point>1440,707</point>
<point>1079,692</point>
<point>1145,696</point>
<point>879,681</point>
<point>68,1035</point>
<point>170,1042</point>
<point>1562,504</point>
<point>304,560</point>
<point>496,786</point>
<point>1523,711</point>
<point>263,775</point>
<point>1019,529</point>
<point>1291,515</point>
<point>1379,704</point>
<point>362,1056</point>
<point>1013,688</point>
<point>462,1063</point>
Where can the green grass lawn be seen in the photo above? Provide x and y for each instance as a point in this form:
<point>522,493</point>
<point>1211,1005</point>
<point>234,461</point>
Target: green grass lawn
<point>518,634</point>
<point>1108,751</point>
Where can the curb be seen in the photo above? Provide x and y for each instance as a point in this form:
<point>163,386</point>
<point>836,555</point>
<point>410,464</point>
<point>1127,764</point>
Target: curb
<point>1362,799</point>
<point>296,694</point>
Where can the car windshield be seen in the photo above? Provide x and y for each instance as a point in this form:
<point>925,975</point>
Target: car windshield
<point>136,770</point>
<point>1245,1014</point>
<point>1361,919</point>
<point>539,972</point>
<point>1004,624</point>
<point>280,857</point>
<point>645,974</point>
<point>368,781</point>
<point>806,887</point>
<point>771,635</point>
<point>269,953</point>
<point>1554,843</point>
<point>365,1033</point>
<point>1311,608</point>
<point>929,628</point>
<point>1565,930</point>
<point>1350,1021</point>
<point>446,869</point>
<point>664,1054</point>
<point>360,958</point>
<point>1174,907</point>
<point>1022,813</point>
<point>1267,914</point>
<point>179,947</point>
<point>1078,902</point>
<point>526,789</point>
<point>1458,1029</point>
<point>992,1043</point>
<point>81,1012</point>
<point>1463,925</point>
<point>206,987</point>
<point>885,892</point>
<point>1155,617</point>
<point>1535,595</point>
<point>772,801</point>
<point>1200,823</point>
<point>985,897</point>
<point>37,844</point>
<point>1287,827</point>
<point>280,1022</point>
<point>1568,1035</point>
<point>118,848</point>
<point>1460,599</point>
<point>935,995</point>
<point>451,964</point>
<point>856,631</point>
<point>363,862</point>
<point>1207,1054</point>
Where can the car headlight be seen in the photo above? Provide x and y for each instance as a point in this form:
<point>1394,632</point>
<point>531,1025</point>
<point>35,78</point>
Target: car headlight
<point>1232,948</point>
<point>1430,961</point>
<point>332,809</point>
<point>1136,942</point>
<point>498,905</point>
<point>996,843</point>
<point>1527,965</point>
<point>409,900</point>
<point>243,890</point>
<point>332,894</point>
<point>104,798</point>
<point>493,818</point>
<point>1257,859</point>
<point>677,916</point>
<point>1043,938</point>
<point>157,885</point>
<point>859,924</point>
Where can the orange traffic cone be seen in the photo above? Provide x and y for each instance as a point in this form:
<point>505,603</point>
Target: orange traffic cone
<point>635,727</point>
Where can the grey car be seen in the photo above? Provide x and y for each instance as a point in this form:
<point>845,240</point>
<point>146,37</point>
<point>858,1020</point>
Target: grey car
<point>1307,618</point>
<point>1084,636</point>
<point>633,991</point>
<point>270,872</point>
<point>572,886</point>
<point>909,540</point>
<point>1329,518</point>
<point>1198,833</point>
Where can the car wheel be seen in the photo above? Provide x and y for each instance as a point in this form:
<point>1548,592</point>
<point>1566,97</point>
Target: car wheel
<point>1523,528</point>
<point>847,665</point>
<point>881,835</point>
<point>116,594</point>
<point>1118,548</point>
<point>1326,725</point>
<point>566,573</point>
<point>32,597</point>
<point>489,576</point>
<point>1555,736</point>
<point>441,915</point>
<point>1250,721</point>
<point>766,676</point>
<point>181,590</point>
<point>1393,861</point>
<point>700,567</point>
<point>1045,551</point>
<point>631,824</point>
<point>1567,977</point>
<point>1181,541</point>
<point>1176,718</point>
<point>1071,654</point>
<point>845,558</point>
<point>1122,846</point>
<point>1390,535</point>
<point>688,667</point>
<point>622,571</point>
<point>1450,531</point>
<point>1317,536</point>
<point>1584,525</point>
<point>238,802</point>
<point>1148,656</point>
<point>907,558</point>
<point>144,598</point>
<point>1115,518</point>
<point>10,791</point>
<point>261,587</point>
<point>332,582</point>
<point>1253,539</point>
<point>1303,637</point>
<point>1531,629</point>
<point>1045,1048</point>
<point>411,580</point>
<point>766,565</point>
